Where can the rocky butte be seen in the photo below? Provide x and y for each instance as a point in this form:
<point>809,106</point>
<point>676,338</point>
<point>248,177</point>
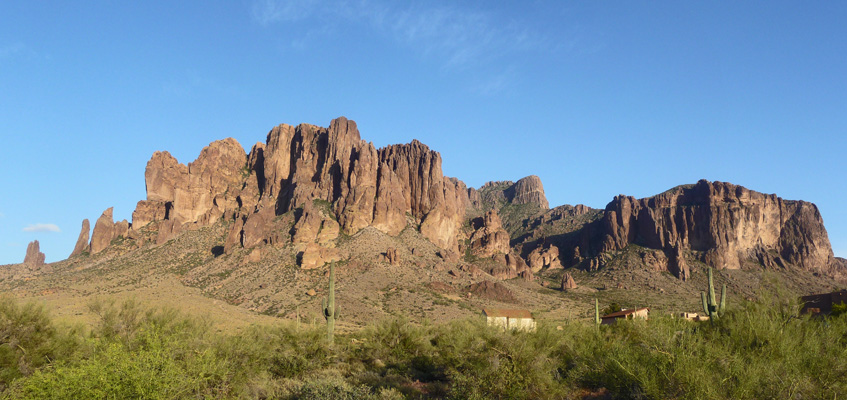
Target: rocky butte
<point>331,182</point>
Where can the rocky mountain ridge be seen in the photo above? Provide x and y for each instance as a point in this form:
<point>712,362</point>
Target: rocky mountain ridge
<point>306,186</point>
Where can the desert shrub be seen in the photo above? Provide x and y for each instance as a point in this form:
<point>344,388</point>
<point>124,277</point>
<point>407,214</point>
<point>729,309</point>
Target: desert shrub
<point>838,310</point>
<point>135,353</point>
<point>757,350</point>
<point>400,346</point>
<point>282,351</point>
<point>338,388</point>
<point>159,369</point>
<point>484,362</point>
<point>30,340</point>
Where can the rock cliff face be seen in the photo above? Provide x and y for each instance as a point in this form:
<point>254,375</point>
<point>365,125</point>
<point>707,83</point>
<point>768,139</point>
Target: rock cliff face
<point>201,192</point>
<point>490,238</point>
<point>386,188</point>
<point>82,240</point>
<point>723,225</point>
<point>34,257</point>
<point>306,185</point>
<point>528,190</point>
<point>105,229</point>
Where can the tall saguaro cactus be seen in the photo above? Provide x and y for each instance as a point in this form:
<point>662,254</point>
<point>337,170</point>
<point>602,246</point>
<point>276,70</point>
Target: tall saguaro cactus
<point>329,308</point>
<point>596,311</point>
<point>710,306</point>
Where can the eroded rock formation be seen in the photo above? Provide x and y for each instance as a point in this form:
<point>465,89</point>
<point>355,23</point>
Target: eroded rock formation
<point>722,224</point>
<point>489,238</point>
<point>82,241</point>
<point>34,257</point>
<point>568,282</point>
<point>544,258</point>
<point>362,186</point>
<point>528,190</point>
<point>104,231</point>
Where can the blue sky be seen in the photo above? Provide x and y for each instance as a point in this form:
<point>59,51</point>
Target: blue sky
<point>596,98</point>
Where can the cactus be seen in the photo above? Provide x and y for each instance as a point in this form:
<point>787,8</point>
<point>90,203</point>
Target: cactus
<point>596,311</point>
<point>710,305</point>
<point>328,305</point>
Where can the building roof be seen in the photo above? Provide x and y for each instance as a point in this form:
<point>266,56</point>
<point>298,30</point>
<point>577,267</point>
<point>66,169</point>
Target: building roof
<point>500,312</point>
<point>624,313</point>
<point>832,296</point>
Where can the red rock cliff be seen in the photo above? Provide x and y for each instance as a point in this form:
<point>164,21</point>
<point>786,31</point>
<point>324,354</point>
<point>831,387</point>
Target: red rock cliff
<point>383,188</point>
<point>724,223</point>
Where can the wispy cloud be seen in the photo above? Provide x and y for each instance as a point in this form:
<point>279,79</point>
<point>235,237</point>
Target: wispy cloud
<point>492,85</point>
<point>42,228</point>
<point>9,50</point>
<point>459,36</point>
<point>269,11</point>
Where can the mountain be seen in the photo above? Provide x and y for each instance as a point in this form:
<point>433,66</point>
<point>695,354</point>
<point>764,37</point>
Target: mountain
<point>255,230</point>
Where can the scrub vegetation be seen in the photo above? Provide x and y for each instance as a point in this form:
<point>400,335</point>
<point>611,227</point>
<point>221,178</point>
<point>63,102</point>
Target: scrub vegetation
<point>756,350</point>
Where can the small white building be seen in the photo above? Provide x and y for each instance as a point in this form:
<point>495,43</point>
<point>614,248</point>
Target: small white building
<point>693,316</point>
<point>510,319</point>
<point>633,313</point>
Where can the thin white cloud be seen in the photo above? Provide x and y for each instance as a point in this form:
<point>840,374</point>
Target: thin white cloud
<point>42,228</point>
<point>460,37</point>
<point>269,11</point>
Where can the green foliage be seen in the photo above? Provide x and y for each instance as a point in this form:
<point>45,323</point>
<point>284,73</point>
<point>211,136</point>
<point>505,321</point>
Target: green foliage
<point>30,340</point>
<point>612,308</point>
<point>838,310</point>
<point>760,349</point>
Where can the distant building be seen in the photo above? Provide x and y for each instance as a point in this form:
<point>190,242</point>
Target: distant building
<point>510,319</point>
<point>822,303</point>
<point>640,313</point>
<point>693,316</point>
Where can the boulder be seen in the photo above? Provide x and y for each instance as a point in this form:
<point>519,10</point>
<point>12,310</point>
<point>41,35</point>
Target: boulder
<point>568,282</point>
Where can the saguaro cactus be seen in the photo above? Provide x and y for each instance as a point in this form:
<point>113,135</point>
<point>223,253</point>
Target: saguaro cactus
<point>710,305</point>
<point>596,311</point>
<point>329,308</point>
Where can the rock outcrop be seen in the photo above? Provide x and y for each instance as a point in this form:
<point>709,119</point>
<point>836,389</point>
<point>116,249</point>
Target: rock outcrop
<point>362,186</point>
<point>200,192</point>
<point>528,190</point>
<point>723,225</point>
<point>568,282</point>
<point>544,258</point>
<point>82,241</point>
<point>491,290</point>
<point>104,231</point>
<point>316,256</point>
<point>489,238</point>
<point>34,257</point>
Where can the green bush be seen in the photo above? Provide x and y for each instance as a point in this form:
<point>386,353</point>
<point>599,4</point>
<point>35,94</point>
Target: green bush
<point>760,349</point>
<point>30,340</point>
